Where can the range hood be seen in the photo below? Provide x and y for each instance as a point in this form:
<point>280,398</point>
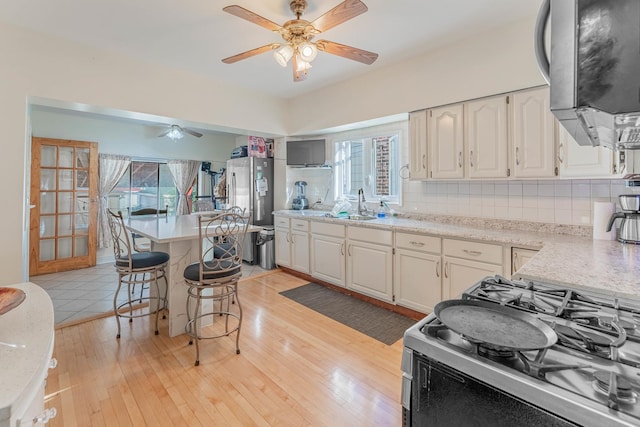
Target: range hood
<point>594,70</point>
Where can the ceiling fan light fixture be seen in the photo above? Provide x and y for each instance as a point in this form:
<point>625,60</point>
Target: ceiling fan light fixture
<point>283,54</point>
<point>307,51</point>
<point>175,133</point>
<point>302,66</point>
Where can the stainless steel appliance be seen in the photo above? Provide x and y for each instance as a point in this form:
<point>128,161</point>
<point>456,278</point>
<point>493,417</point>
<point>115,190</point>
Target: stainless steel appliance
<point>250,186</point>
<point>300,200</point>
<point>524,353</point>
<point>593,69</point>
<point>630,225</point>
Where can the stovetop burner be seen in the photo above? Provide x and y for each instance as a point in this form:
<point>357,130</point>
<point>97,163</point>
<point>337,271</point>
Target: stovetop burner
<point>597,353</point>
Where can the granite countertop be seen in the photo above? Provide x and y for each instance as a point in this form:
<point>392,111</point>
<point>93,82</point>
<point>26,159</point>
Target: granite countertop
<point>26,345</point>
<point>608,267</point>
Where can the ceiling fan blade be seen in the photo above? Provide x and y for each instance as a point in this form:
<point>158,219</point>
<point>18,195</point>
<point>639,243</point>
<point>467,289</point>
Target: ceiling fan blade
<point>243,13</point>
<point>343,12</point>
<point>348,52</point>
<point>298,75</point>
<point>192,132</point>
<point>250,53</point>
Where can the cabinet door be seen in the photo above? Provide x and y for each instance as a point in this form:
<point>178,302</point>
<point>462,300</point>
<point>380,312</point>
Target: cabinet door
<point>460,274</point>
<point>300,251</point>
<point>446,142</point>
<point>417,280</point>
<point>418,145</point>
<point>328,259</point>
<point>533,135</point>
<point>519,257</point>
<point>582,160</point>
<point>487,138</point>
<point>370,269</point>
<point>282,247</point>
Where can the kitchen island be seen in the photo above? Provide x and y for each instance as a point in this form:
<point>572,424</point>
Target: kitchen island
<point>609,267</point>
<point>177,236</point>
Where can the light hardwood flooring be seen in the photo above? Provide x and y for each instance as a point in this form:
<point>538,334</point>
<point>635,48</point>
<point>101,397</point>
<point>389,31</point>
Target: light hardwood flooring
<point>296,368</point>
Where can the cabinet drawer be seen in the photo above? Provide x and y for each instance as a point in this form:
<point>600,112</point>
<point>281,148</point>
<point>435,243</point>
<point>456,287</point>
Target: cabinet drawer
<point>335,230</point>
<point>299,225</point>
<point>282,222</point>
<point>371,235</point>
<point>475,251</point>
<point>418,242</point>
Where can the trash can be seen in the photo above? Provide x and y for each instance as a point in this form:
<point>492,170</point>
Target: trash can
<point>266,243</point>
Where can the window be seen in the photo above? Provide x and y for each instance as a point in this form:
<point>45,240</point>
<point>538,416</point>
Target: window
<point>368,163</point>
<point>145,185</point>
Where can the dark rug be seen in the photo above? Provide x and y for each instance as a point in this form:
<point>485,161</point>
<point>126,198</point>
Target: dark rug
<point>376,322</point>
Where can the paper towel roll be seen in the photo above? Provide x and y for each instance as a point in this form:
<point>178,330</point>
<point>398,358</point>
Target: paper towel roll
<point>602,211</point>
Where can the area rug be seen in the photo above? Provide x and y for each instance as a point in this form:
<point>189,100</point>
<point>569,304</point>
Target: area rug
<point>378,323</point>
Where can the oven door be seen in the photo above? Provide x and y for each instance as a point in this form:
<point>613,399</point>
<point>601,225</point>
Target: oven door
<point>442,396</point>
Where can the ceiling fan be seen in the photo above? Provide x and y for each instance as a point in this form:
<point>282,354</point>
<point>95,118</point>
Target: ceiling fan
<point>177,132</point>
<point>298,34</point>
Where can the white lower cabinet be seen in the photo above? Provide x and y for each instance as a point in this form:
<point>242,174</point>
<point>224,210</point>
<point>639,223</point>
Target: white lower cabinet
<point>466,263</point>
<point>370,262</point>
<point>328,252</point>
<point>292,243</point>
<point>417,271</point>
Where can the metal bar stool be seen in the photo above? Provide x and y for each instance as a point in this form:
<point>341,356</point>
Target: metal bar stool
<point>214,278</point>
<point>136,268</point>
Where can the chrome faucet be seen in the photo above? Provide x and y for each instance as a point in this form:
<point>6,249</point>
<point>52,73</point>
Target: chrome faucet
<point>362,208</point>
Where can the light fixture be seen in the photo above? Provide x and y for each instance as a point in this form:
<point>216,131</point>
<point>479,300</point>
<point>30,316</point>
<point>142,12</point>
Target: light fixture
<point>307,51</point>
<point>283,54</point>
<point>175,132</point>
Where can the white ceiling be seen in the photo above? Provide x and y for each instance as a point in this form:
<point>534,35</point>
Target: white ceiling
<point>196,34</point>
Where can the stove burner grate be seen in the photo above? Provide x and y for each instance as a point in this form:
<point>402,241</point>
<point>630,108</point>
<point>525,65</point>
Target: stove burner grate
<point>605,381</point>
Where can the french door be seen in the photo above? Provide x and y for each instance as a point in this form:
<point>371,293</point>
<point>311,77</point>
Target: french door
<point>64,195</point>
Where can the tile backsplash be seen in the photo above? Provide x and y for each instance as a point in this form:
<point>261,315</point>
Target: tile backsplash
<point>548,201</point>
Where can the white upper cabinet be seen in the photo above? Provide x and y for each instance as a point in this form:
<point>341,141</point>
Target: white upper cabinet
<point>533,134</point>
<point>582,160</point>
<point>487,137</point>
<point>418,145</point>
<point>446,142</point>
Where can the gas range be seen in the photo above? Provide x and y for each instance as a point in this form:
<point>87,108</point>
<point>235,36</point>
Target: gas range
<point>578,358</point>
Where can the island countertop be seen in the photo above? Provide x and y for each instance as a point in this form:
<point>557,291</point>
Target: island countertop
<point>608,267</point>
<point>170,228</point>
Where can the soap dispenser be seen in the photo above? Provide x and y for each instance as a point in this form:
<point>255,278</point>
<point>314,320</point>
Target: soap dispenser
<point>382,211</point>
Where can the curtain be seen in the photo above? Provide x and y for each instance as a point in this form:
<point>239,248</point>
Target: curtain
<point>184,174</point>
<point>111,167</point>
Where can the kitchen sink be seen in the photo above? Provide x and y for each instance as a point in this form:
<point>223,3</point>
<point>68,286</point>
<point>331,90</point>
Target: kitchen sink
<point>361,217</point>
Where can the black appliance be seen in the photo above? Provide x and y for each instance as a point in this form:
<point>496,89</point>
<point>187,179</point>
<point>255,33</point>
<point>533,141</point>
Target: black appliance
<point>306,153</point>
<point>524,353</point>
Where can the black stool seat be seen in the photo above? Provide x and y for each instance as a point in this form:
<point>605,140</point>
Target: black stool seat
<point>192,272</point>
<point>143,259</point>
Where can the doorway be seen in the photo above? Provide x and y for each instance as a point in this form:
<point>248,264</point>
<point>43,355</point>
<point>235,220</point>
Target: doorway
<point>64,195</point>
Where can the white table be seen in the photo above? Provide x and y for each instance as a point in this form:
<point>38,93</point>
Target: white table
<point>177,236</point>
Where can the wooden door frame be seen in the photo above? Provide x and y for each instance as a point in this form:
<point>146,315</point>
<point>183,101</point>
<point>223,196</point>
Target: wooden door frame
<point>42,267</point>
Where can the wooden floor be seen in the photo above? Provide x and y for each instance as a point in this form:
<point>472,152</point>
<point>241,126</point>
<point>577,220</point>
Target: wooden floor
<point>296,368</point>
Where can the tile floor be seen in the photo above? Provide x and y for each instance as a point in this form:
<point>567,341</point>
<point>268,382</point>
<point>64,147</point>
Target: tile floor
<point>88,293</point>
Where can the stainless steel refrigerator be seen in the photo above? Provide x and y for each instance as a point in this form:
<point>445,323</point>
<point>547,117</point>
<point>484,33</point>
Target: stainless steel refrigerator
<point>250,186</point>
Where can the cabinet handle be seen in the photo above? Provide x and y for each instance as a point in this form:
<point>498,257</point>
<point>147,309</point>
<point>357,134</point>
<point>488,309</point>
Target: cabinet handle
<point>342,249</point>
<point>419,244</point>
<point>46,416</point>
<point>561,152</point>
<point>515,262</point>
<point>460,159</point>
<point>424,161</point>
<point>471,158</point>
<point>288,240</point>
<point>349,250</point>
<point>446,265</point>
<point>438,269</point>
<point>518,156</point>
<point>473,253</point>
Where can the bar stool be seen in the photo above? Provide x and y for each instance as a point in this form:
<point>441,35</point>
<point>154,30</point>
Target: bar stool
<point>136,268</point>
<point>145,246</point>
<point>214,278</point>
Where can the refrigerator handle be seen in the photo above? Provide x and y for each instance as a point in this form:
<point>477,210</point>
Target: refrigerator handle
<point>232,201</point>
